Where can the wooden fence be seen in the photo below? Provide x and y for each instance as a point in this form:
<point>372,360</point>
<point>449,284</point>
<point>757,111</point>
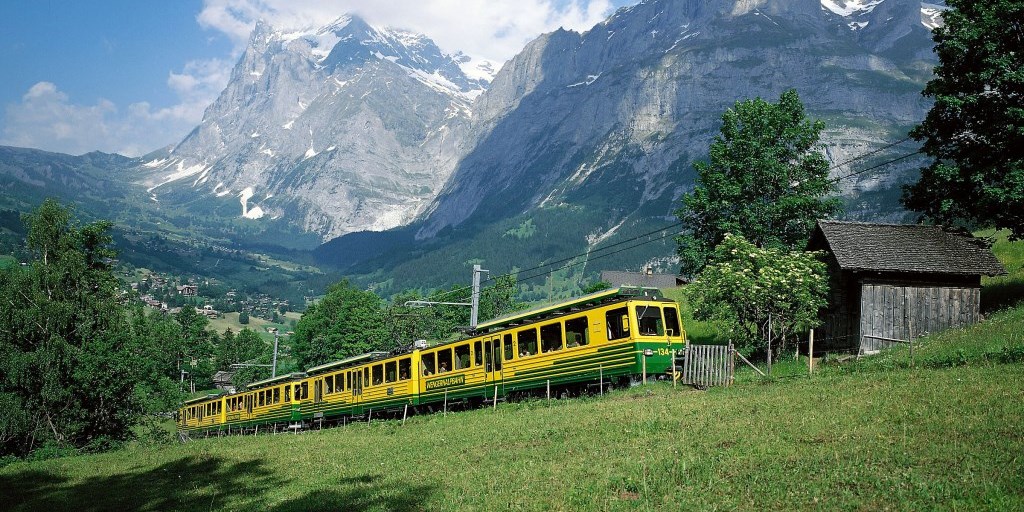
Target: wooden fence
<point>708,365</point>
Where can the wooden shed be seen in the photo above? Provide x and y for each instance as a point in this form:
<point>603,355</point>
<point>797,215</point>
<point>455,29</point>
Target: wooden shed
<point>897,282</point>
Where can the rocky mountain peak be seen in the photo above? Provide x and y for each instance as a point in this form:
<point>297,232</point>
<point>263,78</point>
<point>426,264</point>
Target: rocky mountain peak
<point>329,129</point>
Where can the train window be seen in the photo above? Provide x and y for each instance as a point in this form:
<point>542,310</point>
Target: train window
<point>648,319</point>
<point>329,384</point>
<point>527,342</point>
<point>479,354</point>
<point>462,356</point>
<point>339,382</point>
<point>366,376</point>
<point>444,360</point>
<point>672,322</point>
<point>348,380</point>
<point>508,347</point>
<point>618,323</point>
<point>404,368</point>
<point>390,372</point>
<point>576,332</point>
<point>260,400</point>
<point>378,374</point>
<point>427,360</point>
<point>304,389</point>
<point>551,337</point>
<point>277,395</point>
<point>287,393</point>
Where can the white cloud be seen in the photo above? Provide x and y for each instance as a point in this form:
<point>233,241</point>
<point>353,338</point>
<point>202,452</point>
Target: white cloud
<point>490,29</point>
<point>495,30</point>
<point>47,119</point>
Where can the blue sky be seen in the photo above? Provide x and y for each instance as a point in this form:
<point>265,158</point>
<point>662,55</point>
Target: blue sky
<point>131,76</point>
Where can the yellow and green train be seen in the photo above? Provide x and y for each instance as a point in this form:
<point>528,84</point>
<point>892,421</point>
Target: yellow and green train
<point>611,337</point>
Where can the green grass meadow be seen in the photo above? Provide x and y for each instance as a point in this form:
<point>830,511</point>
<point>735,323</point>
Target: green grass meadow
<point>906,439</point>
<point>946,433</point>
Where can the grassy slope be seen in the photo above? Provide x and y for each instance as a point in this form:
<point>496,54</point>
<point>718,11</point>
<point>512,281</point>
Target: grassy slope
<point>910,439</point>
<point>870,435</point>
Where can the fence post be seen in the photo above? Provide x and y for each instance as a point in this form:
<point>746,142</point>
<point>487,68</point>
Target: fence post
<point>405,413</point>
<point>810,354</point>
<point>911,341</point>
<point>600,370</point>
<point>769,343</point>
<point>495,399</point>
<point>445,413</point>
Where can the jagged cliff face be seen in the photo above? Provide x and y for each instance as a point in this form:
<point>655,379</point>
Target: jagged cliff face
<point>339,129</point>
<point>613,118</point>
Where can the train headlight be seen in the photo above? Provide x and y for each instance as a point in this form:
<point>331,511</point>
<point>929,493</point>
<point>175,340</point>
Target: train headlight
<point>648,352</point>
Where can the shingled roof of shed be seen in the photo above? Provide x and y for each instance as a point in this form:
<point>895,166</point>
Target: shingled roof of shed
<point>905,248</point>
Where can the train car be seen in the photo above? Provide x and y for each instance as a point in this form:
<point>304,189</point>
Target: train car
<point>358,385</point>
<point>612,337</point>
<point>200,414</point>
<point>605,338</point>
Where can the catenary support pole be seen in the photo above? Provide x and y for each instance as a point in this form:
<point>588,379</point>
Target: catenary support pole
<point>273,369</point>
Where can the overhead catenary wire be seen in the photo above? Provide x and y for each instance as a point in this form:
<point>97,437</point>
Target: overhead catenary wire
<point>591,254</point>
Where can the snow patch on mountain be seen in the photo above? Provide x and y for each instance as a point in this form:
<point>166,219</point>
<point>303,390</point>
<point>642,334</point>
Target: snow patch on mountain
<point>850,7</point>
<point>250,213</point>
<point>181,172</point>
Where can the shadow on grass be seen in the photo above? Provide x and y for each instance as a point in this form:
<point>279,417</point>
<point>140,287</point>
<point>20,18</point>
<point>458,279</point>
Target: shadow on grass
<point>366,492</point>
<point>187,483</point>
<point>1001,295</point>
<point>201,483</point>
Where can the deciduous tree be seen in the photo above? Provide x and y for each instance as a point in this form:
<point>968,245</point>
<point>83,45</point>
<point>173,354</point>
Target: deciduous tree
<point>745,285</point>
<point>766,179</point>
<point>346,322</point>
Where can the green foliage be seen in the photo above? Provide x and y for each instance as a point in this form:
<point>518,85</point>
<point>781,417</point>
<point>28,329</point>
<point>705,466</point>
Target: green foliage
<point>500,298</point>
<point>245,347</point>
<point>440,322</point>
<point>597,286</point>
<point>74,370</point>
<point>243,318</point>
<point>766,180</point>
<point>347,322</point>
<point>974,129</point>
<point>525,230</point>
<point>745,285</point>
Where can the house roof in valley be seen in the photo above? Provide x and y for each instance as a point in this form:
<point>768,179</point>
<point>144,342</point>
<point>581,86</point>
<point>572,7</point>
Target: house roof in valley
<point>860,246</point>
<point>619,279</point>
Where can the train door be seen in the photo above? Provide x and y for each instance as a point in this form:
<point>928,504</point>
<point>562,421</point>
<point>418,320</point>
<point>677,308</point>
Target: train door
<point>493,359</point>
<point>318,391</point>
<point>357,387</point>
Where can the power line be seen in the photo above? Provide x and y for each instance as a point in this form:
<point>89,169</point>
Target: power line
<point>873,167</point>
<point>869,153</point>
<point>570,258</point>
<point>678,224</point>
